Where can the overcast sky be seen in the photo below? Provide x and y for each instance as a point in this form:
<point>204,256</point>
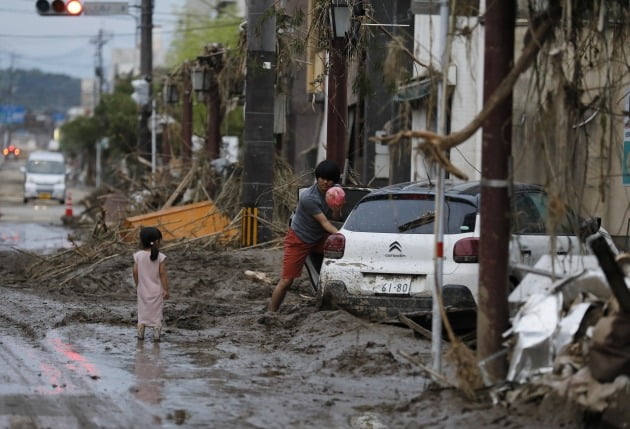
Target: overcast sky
<point>64,44</point>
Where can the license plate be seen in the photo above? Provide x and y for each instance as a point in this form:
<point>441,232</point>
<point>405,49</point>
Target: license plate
<point>45,196</point>
<point>392,285</point>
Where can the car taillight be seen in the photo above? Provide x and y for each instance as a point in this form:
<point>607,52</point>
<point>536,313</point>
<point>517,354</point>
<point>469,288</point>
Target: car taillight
<point>17,151</point>
<point>334,246</point>
<point>466,250</point>
<point>5,151</point>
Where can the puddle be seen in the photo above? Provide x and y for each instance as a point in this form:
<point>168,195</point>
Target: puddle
<point>33,237</point>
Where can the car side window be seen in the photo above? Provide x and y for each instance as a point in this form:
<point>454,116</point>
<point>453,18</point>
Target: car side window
<point>527,216</point>
<point>468,225</point>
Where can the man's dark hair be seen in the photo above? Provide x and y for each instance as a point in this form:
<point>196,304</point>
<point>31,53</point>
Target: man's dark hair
<point>328,170</point>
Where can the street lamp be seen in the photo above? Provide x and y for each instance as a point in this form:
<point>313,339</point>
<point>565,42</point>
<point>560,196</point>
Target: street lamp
<point>201,78</point>
<point>337,115</point>
<point>339,18</point>
<point>204,81</point>
<point>171,92</point>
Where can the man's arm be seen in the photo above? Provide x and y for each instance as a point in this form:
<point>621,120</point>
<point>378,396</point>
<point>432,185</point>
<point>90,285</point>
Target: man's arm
<point>325,223</point>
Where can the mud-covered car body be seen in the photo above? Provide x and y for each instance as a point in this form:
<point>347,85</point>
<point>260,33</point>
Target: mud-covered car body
<point>313,262</point>
<point>381,262</point>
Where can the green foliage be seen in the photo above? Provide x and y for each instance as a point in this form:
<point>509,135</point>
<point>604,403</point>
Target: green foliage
<point>120,121</point>
<point>196,30</point>
<point>234,122</point>
<point>80,135</point>
<point>116,118</point>
<point>193,33</point>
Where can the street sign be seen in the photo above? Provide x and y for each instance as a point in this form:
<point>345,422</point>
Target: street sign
<point>105,8</point>
<point>12,114</point>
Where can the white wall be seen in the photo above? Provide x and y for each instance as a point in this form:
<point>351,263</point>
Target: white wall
<point>466,81</point>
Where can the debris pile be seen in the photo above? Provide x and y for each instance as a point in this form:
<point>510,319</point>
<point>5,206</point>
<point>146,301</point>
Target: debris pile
<point>571,336</point>
<point>106,227</point>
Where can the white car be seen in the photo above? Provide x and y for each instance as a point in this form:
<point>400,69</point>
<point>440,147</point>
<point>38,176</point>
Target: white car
<point>381,262</point>
<point>45,177</point>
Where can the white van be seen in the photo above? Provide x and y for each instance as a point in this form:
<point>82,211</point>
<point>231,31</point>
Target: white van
<point>45,177</point>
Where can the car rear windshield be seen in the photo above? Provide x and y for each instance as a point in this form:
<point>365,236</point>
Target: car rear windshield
<point>410,214</point>
<point>45,167</point>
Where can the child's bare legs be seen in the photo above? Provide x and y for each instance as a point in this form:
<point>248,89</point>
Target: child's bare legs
<point>156,332</point>
<point>140,331</point>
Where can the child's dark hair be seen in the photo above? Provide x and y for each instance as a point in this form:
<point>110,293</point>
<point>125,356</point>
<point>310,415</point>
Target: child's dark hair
<point>149,235</point>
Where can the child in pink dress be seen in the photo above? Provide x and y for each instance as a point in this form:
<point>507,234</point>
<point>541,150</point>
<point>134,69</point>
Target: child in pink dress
<point>149,275</point>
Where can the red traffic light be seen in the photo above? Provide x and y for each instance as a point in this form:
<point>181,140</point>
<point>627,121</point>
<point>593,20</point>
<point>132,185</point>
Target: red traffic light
<point>59,7</point>
<point>74,7</point>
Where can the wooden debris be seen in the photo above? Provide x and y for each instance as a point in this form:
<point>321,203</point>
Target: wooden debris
<point>258,276</point>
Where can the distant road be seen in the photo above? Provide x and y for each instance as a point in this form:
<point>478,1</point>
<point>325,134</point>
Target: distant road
<point>34,226</point>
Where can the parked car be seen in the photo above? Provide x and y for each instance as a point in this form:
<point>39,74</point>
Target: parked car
<point>11,152</point>
<point>45,176</point>
<point>381,262</point>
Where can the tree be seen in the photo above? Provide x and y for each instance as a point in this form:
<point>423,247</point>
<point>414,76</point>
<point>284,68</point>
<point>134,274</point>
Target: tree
<point>196,30</point>
<point>78,139</point>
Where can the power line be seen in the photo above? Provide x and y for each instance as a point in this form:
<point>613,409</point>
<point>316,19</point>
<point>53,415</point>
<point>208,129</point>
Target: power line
<point>75,36</point>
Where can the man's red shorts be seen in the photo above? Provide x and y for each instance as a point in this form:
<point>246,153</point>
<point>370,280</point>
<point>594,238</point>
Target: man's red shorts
<point>295,253</point>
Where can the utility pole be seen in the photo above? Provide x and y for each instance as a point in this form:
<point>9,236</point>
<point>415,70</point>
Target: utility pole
<point>99,71</point>
<point>187,109</point>
<point>337,117</point>
<point>492,315</point>
<point>186,131</point>
<point>257,192</point>
<point>8,131</point>
<point>212,58</point>
<point>436,317</point>
<point>99,41</point>
<point>146,70</point>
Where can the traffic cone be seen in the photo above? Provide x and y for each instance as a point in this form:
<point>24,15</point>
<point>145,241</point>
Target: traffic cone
<point>68,204</point>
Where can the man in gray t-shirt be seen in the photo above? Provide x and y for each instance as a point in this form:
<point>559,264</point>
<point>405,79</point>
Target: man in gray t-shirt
<point>309,228</point>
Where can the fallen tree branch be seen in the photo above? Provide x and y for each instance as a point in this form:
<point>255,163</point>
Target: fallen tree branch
<point>419,329</point>
<point>88,269</point>
<point>185,182</point>
<point>436,375</point>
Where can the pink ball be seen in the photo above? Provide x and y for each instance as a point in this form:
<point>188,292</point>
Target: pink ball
<point>335,197</point>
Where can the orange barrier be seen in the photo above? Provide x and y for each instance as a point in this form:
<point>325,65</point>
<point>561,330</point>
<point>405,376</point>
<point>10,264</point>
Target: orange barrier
<point>188,221</point>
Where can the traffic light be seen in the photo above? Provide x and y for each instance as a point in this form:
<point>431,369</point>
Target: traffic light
<point>59,7</point>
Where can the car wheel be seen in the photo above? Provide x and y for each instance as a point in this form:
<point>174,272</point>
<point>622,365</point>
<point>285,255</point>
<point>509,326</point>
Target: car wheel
<point>25,200</point>
<point>62,201</point>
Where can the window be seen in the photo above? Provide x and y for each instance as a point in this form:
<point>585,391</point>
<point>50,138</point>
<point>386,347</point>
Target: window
<point>45,167</point>
<point>410,214</point>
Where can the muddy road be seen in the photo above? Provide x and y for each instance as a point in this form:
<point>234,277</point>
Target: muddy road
<point>70,358</point>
